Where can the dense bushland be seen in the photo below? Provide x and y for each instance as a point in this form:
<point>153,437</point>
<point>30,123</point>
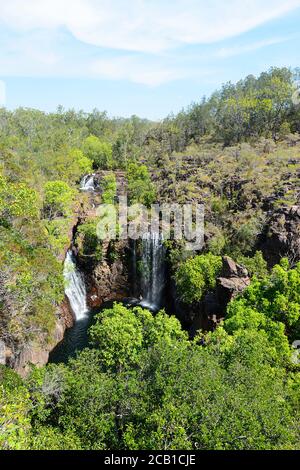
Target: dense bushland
<point>143,384</point>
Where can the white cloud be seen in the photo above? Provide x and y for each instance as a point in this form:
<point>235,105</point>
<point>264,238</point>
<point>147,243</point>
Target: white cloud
<point>226,52</point>
<point>37,54</point>
<point>144,25</point>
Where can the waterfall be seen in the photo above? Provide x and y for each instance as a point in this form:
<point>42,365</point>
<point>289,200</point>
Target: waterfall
<point>88,183</point>
<point>151,270</point>
<point>75,287</point>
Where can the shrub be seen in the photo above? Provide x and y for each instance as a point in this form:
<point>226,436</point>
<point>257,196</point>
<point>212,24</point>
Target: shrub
<point>196,276</point>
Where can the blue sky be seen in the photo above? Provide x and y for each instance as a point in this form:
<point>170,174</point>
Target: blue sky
<point>144,57</point>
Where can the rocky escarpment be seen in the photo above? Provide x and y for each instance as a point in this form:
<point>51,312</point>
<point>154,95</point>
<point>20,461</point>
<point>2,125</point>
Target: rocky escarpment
<point>233,280</point>
<point>208,313</point>
<point>281,237</point>
<point>36,352</point>
<point>20,353</point>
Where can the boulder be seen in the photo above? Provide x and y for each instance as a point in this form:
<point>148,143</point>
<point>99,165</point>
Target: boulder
<point>282,236</point>
<point>230,269</point>
<point>31,354</point>
<point>233,280</point>
<point>109,282</point>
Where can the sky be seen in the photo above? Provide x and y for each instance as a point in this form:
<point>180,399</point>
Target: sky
<point>144,57</point>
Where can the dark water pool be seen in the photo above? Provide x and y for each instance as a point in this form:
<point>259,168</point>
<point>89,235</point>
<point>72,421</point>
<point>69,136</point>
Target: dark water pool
<point>76,338</point>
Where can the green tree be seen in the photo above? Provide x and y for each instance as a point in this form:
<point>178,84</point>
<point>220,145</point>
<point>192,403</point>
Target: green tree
<point>196,276</point>
<point>88,243</point>
<point>256,266</point>
<point>17,200</point>
<point>14,412</point>
<point>48,438</point>
<point>254,106</point>
<point>140,187</point>
<point>144,385</point>
<point>99,151</point>
<point>277,297</point>
<point>109,188</point>
<point>82,164</point>
<point>58,200</point>
<point>121,334</point>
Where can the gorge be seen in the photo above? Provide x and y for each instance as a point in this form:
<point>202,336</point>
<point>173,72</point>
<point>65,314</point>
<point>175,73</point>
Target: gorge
<point>147,285</point>
<point>139,276</point>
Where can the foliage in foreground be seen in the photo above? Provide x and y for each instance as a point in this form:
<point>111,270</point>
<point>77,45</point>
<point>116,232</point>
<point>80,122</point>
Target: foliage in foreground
<point>196,276</point>
<point>143,384</point>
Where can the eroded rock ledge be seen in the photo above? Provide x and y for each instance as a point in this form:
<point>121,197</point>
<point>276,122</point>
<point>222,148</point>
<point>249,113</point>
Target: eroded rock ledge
<point>282,236</point>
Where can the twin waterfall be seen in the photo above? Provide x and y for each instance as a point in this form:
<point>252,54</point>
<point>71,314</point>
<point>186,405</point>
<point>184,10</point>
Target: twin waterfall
<point>148,265</point>
<point>148,276</point>
<point>75,287</point>
<point>148,286</point>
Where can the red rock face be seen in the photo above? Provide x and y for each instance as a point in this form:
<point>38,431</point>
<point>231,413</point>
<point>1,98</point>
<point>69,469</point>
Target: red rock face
<point>235,282</point>
<point>93,299</point>
<point>108,282</point>
<point>35,354</point>
<point>66,314</point>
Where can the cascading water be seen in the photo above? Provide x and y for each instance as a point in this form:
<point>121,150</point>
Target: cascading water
<point>75,287</point>
<point>88,183</point>
<point>75,338</point>
<point>150,269</point>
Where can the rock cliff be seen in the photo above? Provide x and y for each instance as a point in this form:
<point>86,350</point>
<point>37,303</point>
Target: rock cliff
<point>33,353</point>
<point>109,279</point>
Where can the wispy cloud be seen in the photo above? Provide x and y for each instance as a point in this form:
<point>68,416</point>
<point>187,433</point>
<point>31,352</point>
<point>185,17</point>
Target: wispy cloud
<point>225,52</point>
<point>143,25</point>
<point>137,70</point>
